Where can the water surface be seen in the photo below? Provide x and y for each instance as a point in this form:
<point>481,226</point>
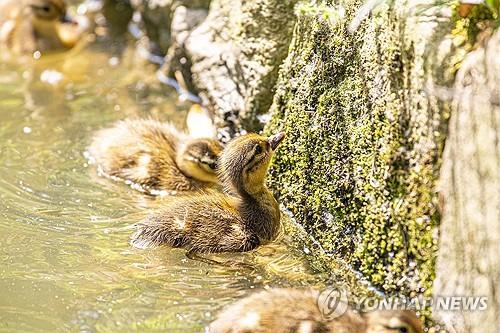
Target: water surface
<point>67,265</point>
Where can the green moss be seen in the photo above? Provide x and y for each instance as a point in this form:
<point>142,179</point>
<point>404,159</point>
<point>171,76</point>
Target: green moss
<point>360,164</point>
<point>331,14</point>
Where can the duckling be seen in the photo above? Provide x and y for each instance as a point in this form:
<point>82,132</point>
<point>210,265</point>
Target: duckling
<point>30,25</point>
<point>392,321</point>
<point>155,155</point>
<point>296,311</point>
<point>243,217</point>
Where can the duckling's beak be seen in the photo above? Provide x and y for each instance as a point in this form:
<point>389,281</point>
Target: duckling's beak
<point>276,139</point>
<point>65,18</point>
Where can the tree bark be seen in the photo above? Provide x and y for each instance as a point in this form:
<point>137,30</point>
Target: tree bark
<point>468,259</point>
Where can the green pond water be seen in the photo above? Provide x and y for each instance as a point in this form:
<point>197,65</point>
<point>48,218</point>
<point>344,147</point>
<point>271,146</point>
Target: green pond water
<point>66,262</point>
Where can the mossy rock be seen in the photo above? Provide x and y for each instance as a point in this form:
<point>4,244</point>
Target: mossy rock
<point>365,134</point>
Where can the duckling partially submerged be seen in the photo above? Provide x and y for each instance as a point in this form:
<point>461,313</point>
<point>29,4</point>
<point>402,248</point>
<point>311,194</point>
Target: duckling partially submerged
<point>30,25</point>
<point>296,311</point>
<point>155,155</point>
<point>246,216</point>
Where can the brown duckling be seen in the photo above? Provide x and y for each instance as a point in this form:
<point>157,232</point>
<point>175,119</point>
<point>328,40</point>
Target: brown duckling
<point>155,155</point>
<point>30,25</point>
<point>296,311</point>
<point>240,219</point>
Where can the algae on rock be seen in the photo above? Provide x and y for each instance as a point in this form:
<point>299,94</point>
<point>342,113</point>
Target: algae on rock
<point>365,137</point>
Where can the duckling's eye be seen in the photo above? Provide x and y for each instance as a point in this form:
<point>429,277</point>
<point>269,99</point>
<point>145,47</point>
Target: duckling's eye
<point>212,166</point>
<point>258,149</point>
<point>403,330</point>
<point>45,12</point>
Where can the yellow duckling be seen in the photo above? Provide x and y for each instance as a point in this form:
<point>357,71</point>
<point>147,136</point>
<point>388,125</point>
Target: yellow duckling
<point>155,155</point>
<point>30,25</point>
<point>246,216</point>
<point>296,311</point>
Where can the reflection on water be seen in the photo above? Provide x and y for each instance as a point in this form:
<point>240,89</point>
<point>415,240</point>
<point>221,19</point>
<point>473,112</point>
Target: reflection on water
<point>66,262</point>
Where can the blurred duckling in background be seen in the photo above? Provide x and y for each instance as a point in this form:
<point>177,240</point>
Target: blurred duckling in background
<point>242,218</point>
<point>27,26</point>
<point>296,311</point>
<point>155,155</point>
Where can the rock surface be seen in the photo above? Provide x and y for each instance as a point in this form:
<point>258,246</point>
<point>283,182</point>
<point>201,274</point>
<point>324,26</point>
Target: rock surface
<point>468,262</point>
<point>153,19</point>
<point>236,53</point>
<point>177,60</point>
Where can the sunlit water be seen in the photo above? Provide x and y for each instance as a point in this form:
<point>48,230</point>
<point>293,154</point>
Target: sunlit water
<point>66,262</point>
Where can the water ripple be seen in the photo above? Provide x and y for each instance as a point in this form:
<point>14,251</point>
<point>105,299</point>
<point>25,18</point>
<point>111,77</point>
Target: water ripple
<point>64,232</point>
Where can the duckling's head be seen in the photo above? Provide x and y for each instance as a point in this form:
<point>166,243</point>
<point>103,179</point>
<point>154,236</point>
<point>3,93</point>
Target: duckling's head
<point>198,159</point>
<point>245,160</point>
<point>52,25</point>
<point>401,321</point>
<point>48,10</point>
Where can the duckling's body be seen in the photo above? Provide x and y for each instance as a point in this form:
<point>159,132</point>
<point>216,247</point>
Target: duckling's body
<point>296,311</point>
<point>155,155</point>
<point>240,219</point>
<point>30,25</point>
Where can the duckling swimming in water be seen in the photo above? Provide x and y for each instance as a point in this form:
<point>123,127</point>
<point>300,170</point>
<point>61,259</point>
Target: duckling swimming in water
<point>30,25</point>
<point>245,216</point>
<point>155,155</point>
<point>296,311</point>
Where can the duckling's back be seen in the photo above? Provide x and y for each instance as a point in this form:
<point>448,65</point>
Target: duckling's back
<point>202,222</point>
<point>297,311</point>
<point>142,151</point>
<point>282,311</point>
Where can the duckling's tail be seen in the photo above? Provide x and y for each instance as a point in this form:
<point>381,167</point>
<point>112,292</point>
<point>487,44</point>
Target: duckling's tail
<point>146,238</point>
<point>141,242</point>
<point>154,231</point>
<point>199,123</point>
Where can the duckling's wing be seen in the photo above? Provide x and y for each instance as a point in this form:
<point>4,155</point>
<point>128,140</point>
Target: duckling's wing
<point>198,223</point>
<point>167,226</point>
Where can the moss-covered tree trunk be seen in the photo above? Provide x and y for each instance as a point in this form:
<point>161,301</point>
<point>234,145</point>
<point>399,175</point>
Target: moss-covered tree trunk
<point>361,161</point>
<point>469,259</point>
